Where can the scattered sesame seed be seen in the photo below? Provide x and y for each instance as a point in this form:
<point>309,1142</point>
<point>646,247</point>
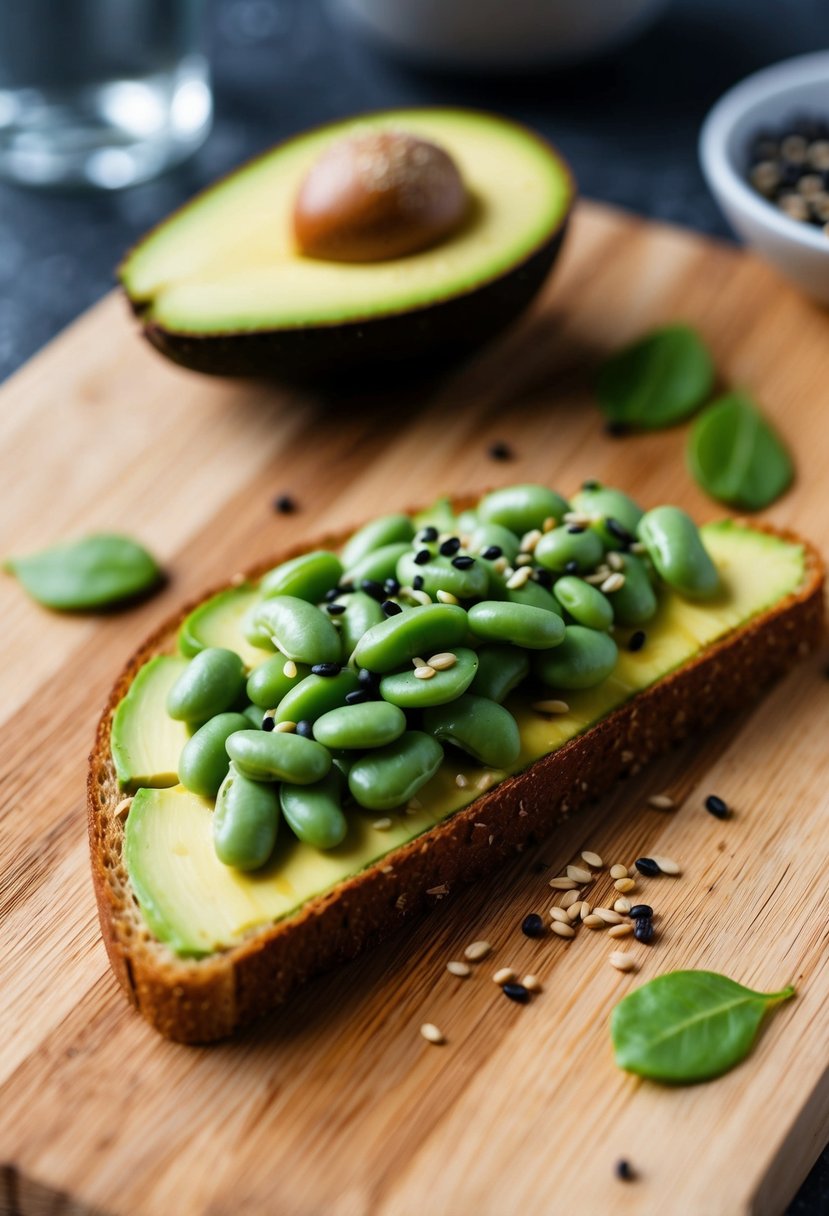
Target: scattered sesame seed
<point>624,1171</point>
<point>417,582</point>
<point>717,807</point>
<point>374,588</point>
<point>561,929</point>
<point>431,1033</point>
<point>622,904</point>
<point>461,781</point>
<point>648,866</point>
<point>501,565</point>
<point>530,539</point>
<point>505,975</point>
<point>615,560</point>
<point>592,859</point>
<point>643,930</point>
<point>608,916</point>
<point>617,529</point>
<point>569,898</point>
<point>382,825</point>
<point>420,597</point>
<point>477,950</point>
<point>576,529</point>
<point>283,728</point>
<point>637,640</point>
<point>551,707</point>
<point>499,450</point>
<point>123,808</point>
<point>305,729</point>
<point>639,910</point>
<point>563,884</point>
<point>268,723</point>
<point>289,670</point>
<point>571,567</point>
<point>425,672</point>
<point>439,891</point>
<point>326,669</point>
<point>579,874</point>
<point>519,578</point>
<point>446,597</point>
<point>422,557</point>
<point>622,961</point>
<point>532,925</point>
<point>618,871</point>
<point>516,992</point>
<point>335,609</point>
<point>594,922</point>
<point>391,586</point>
<point>523,559</point>
<point>661,802</point>
<point>391,608</point>
<point>549,524</point>
<point>613,582</point>
<point>283,504</point>
<point>625,884</point>
<point>532,983</point>
<point>620,930</point>
<point>428,535</point>
<point>450,546</point>
<point>461,970</point>
<point>638,547</point>
<point>357,697</point>
<point>574,911</point>
<point>463,562</point>
<point>443,661</point>
<point>486,781</point>
<point>559,913</point>
<point>492,552</point>
<point>667,864</point>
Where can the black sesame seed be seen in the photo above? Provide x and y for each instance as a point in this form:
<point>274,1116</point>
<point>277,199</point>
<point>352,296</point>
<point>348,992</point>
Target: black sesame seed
<point>283,504</point>
<point>618,530</point>
<point>422,557</point>
<point>326,669</point>
<point>357,696</point>
<point>450,546</point>
<point>637,640</point>
<point>624,1170</point>
<point>346,588</point>
<point>516,992</point>
<point>532,925</point>
<point>463,562</point>
<point>640,910</point>
<point>571,567</point>
<point>417,582</point>
<point>427,535</point>
<point>499,451</point>
<point>647,866</point>
<point>373,588</point>
<point>332,593</point>
<point>268,723</point>
<point>575,529</point>
<point>368,679</point>
<point>591,484</point>
<point>643,930</point>
<point>716,806</point>
<point>616,430</point>
<point>492,553</point>
<point>544,578</point>
<point>390,607</point>
<point>305,729</point>
<point>391,586</point>
<point>335,609</point>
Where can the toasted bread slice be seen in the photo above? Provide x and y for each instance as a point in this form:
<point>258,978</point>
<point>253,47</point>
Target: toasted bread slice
<point>196,1001</point>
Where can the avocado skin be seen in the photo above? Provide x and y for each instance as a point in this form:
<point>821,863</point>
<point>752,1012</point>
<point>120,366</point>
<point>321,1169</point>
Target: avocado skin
<point>421,341</point>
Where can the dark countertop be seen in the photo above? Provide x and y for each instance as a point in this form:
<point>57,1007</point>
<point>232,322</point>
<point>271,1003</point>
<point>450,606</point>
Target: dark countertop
<point>628,125</point>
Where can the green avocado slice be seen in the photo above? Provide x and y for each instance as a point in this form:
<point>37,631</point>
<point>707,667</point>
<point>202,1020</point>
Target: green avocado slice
<point>197,905</point>
<point>218,622</point>
<point>146,741</point>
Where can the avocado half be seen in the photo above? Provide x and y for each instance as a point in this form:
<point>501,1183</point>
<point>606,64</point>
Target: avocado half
<point>221,288</point>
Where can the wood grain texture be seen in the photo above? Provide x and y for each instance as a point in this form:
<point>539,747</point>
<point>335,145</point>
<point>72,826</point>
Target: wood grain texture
<point>337,1106</point>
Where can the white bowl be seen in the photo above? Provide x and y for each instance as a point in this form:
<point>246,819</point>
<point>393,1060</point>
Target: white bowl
<point>766,101</point>
<point>500,34</point>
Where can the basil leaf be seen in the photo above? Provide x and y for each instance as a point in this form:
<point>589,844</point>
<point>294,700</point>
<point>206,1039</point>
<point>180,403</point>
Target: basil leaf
<point>656,381</point>
<point>736,456</point>
<point>688,1026</point>
<point>94,572</point>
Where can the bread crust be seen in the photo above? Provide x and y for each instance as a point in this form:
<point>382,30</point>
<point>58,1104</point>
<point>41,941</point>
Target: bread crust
<point>199,1001</point>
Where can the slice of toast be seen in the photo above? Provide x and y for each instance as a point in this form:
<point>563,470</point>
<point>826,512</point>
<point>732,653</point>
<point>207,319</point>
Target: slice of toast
<point>196,1001</point>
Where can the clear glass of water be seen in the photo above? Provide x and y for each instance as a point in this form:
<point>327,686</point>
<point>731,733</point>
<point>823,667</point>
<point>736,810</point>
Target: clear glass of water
<point>100,93</point>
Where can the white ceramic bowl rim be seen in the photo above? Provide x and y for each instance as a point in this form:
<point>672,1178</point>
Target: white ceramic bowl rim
<point>776,82</point>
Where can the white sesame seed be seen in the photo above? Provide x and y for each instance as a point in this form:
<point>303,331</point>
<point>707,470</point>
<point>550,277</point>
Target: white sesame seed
<point>667,864</point>
<point>289,669</point>
<point>625,884</point>
<point>571,897</point>
<point>586,909</point>
<point>622,904</point>
<point>486,781</point>
<point>620,930</point>
<point>418,662</point>
<point>532,983</point>
<point>592,859</point>
<point>574,911</point>
<point>613,582</point>
<point>579,874</point>
<point>476,951</point>
<point>559,913</point>
<point>519,579</point>
<point>500,564</point>
<point>618,871</point>
<point>622,961</point>
<point>581,519</point>
<point>661,802</point>
<point>461,970</point>
<point>382,825</point>
<point>443,661</point>
<point>425,672</point>
<point>123,808</point>
<point>439,891</point>
<point>431,1033</point>
<point>562,930</point>
<point>638,547</point>
<point>524,559</point>
<point>549,524</point>
<point>615,560</point>
<point>446,597</point>
<point>530,539</point>
<point>563,884</point>
<point>608,916</point>
<point>420,597</point>
<point>284,728</point>
<point>551,707</point>
<point>461,781</point>
<point>594,922</point>
<point>505,976</point>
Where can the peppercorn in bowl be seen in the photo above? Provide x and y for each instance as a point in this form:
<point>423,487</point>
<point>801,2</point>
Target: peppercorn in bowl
<point>764,150</point>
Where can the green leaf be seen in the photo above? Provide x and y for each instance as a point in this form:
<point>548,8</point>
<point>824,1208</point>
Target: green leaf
<point>688,1026</point>
<point>91,573</point>
<point>656,381</point>
<point>736,456</point>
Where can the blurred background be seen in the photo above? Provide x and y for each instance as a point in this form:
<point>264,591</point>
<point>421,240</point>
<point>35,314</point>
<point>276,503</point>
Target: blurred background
<point>627,118</point>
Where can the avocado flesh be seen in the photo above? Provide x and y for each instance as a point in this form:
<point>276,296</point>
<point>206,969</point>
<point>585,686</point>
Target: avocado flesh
<point>227,264</point>
<point>197,905</point>
<point>146,741</point>
<point>218,622</point>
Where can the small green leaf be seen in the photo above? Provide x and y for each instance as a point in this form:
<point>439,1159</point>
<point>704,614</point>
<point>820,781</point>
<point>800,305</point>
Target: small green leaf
<point>86,574</point>
<point>736,456</point>
<point>656,381</point>
<point>688,1026</point>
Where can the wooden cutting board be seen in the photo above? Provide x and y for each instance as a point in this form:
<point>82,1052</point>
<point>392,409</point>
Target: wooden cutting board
<point>337,1107</point>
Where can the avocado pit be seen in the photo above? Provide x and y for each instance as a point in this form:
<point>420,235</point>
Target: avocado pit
<point>378,195</point>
